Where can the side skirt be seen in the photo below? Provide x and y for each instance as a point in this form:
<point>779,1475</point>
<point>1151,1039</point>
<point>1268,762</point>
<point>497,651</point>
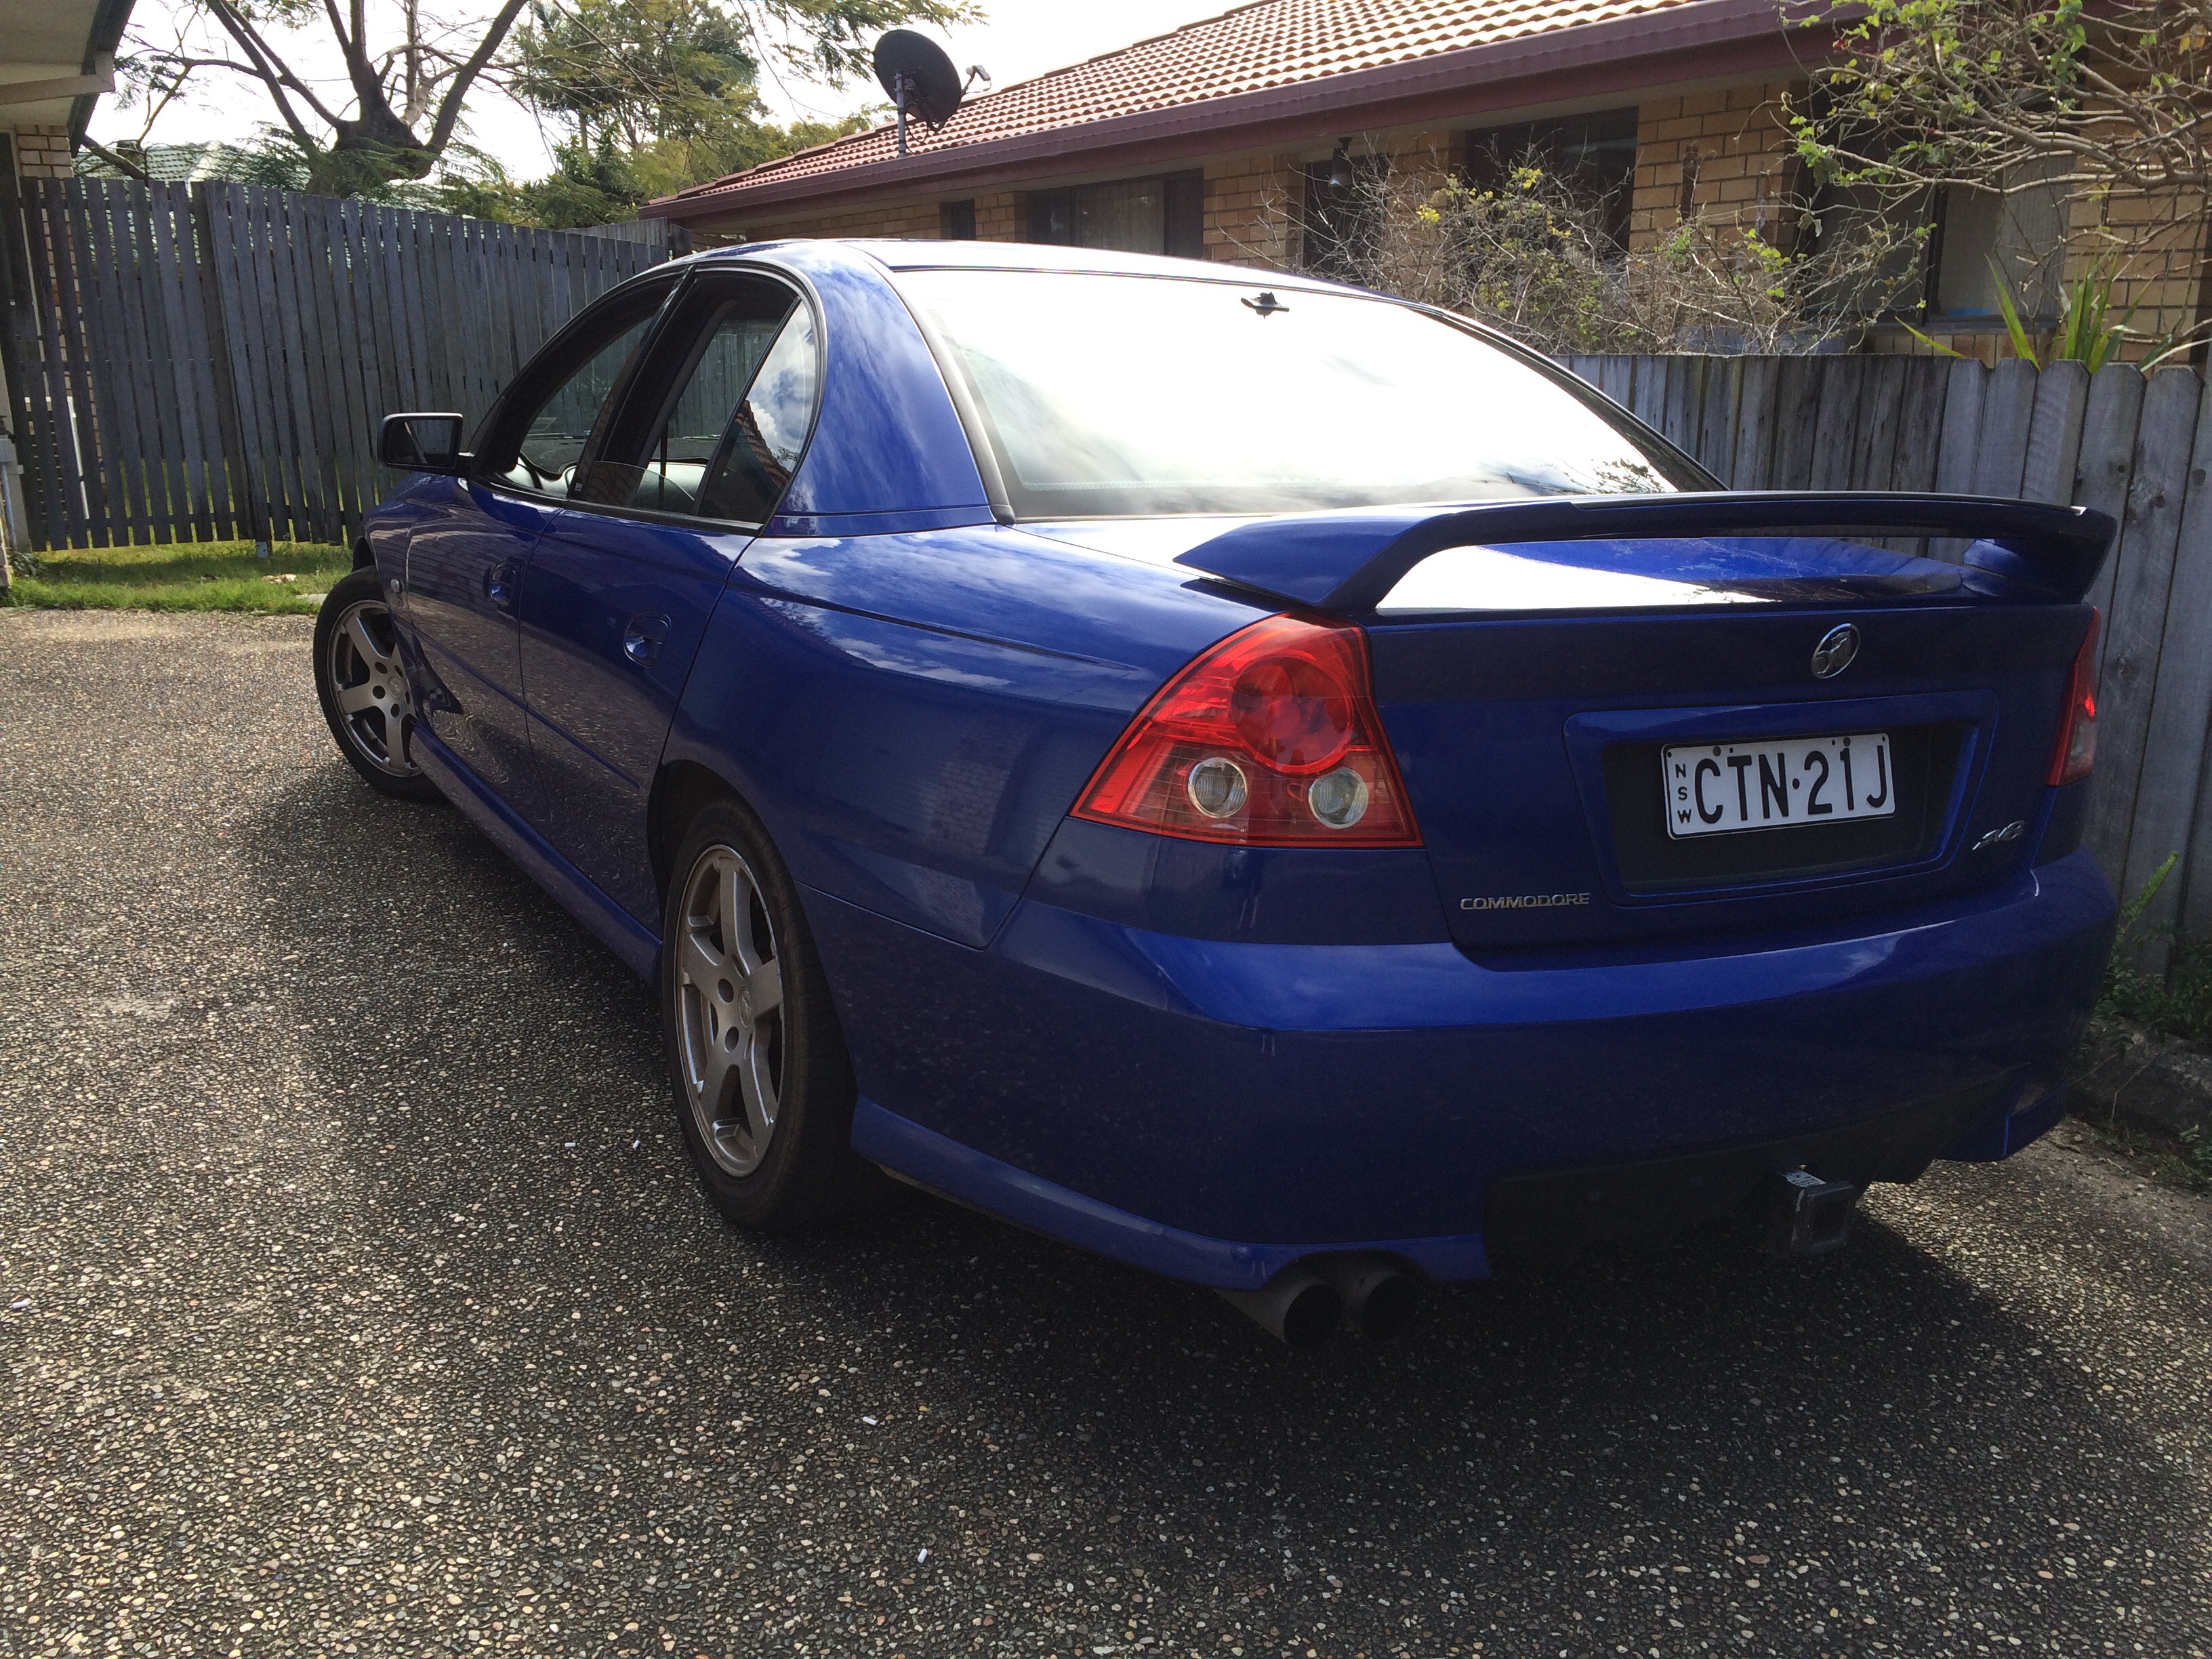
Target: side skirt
<point>607,921</point>
<point>983,1183</point>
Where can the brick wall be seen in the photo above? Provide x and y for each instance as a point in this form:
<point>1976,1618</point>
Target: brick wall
<point>1251,203</point>
<point>1723,155</point>
<point>998,219</point>
<point>884,219</point>
<point>2163,264</point>
<point>1728,151</point>
<point>43,152</point>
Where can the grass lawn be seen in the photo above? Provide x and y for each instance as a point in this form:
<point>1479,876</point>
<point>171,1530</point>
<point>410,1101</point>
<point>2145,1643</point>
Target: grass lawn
<point>186,576</point>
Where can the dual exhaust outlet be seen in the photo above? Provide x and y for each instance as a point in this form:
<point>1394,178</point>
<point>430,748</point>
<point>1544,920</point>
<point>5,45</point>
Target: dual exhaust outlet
<point>1309,1300</point>
<point>1305,1303</point>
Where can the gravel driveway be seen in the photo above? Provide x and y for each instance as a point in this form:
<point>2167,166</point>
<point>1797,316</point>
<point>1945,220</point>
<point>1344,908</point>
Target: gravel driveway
<point>355,1297</point>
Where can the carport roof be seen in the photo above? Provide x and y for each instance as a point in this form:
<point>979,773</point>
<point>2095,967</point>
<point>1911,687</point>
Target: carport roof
<point>1335,56</point>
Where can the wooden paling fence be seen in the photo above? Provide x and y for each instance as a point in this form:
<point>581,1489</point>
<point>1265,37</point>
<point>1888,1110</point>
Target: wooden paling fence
<point>2138,446</point>
<point>203,362</point>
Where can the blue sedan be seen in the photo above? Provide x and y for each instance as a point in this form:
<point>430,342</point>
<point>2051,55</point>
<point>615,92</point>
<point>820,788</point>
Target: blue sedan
<point>1271,783</point>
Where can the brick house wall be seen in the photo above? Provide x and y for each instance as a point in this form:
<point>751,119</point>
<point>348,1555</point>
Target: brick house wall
<point>1722,153</point>
<point>1248,202</point>
<point>2166,269</point>
<point>43,152</point>
<point>1725,153</point>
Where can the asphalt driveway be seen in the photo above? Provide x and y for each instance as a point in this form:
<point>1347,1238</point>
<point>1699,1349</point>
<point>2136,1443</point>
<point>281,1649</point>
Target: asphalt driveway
<point>354,1298</point>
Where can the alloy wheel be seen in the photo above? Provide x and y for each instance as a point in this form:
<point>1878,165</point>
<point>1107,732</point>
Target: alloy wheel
<point>729,1014</point>
<point>374,705</point>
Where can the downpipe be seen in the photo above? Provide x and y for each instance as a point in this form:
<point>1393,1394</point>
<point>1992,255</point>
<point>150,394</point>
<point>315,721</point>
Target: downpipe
<point>1308,1301</point>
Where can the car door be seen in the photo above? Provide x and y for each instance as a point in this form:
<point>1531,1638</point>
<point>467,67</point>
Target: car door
<point>465,565</point>
<point>624,580</point>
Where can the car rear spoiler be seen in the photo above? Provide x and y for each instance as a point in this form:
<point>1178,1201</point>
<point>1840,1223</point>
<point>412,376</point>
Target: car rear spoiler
<point>1349,561</point>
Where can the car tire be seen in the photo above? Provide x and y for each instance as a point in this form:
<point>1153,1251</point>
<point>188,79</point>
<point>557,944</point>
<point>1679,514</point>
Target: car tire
<point>764,1088</point>
<point>362,686</point>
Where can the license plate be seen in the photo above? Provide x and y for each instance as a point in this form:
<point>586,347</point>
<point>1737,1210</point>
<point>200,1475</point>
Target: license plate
<point>1792,783</point>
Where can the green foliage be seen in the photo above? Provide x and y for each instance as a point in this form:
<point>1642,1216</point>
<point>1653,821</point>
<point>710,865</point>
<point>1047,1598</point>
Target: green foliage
<point>657,96</point>
<point>603,183</point>
<point>634,71</point>
<point>2177,1003</point>
<point>2108,105</point>
<point>1936,63</point>
<point>188,576</point>
<point>2084,336</point>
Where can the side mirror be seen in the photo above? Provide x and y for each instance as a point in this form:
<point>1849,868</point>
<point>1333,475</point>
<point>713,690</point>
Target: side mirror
<point>422,443</point>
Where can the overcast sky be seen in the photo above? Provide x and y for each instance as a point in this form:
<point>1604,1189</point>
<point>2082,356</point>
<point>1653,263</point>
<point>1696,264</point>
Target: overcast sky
<point>1020,39</point>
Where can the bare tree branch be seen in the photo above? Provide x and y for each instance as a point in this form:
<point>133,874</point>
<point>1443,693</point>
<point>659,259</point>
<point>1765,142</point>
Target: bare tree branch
<point>271,71</point>
<point>449,108</point>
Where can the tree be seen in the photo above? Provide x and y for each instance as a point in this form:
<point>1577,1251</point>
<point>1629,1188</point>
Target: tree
<point>410,71</point>
<point>2110,103</point>
<point>656,95</point>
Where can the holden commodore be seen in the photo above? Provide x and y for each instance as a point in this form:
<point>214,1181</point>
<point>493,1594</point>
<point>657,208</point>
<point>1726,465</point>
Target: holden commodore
<point>1267,781</point>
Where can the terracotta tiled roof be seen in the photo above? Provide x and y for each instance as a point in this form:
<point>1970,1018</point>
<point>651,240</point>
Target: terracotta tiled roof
<point>1272,42</point>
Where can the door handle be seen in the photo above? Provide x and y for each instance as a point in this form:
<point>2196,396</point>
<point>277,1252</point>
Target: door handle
<point>643,635</point>
<point>499,585</point>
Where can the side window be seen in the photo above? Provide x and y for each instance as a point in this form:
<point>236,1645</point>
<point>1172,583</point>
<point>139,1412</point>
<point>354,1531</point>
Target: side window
<point>769,433</point>
<point>726,442</point>
<point>558,426</point>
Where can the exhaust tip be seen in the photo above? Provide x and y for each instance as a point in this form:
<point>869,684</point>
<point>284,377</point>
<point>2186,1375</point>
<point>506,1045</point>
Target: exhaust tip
<point>1314,1313</point>
<point>1390,1309</point>
<point>1380,1299</point>
<point>1298,1307</point>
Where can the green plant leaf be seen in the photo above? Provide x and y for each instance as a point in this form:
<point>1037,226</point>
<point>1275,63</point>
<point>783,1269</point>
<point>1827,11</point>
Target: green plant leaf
<point>2021,344</point>
<point>1936,346</point>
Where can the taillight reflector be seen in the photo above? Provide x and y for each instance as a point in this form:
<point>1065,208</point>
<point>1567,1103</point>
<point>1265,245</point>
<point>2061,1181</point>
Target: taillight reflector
<point>1271,738</point>
<point>2075,751</point>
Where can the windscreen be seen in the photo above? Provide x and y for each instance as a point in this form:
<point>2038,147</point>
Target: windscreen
<point>1120,395</point>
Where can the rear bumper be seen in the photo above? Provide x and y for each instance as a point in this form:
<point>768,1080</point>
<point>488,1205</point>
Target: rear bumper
<point>1215,1110</point>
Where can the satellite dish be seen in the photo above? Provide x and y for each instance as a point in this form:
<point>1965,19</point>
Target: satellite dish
<point>914,71</point>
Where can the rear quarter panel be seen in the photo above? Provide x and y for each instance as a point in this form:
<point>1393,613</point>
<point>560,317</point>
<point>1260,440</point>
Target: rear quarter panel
<point>911,715</point>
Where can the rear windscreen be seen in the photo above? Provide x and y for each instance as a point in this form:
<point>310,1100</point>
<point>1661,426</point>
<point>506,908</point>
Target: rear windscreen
<point>1120,394</point>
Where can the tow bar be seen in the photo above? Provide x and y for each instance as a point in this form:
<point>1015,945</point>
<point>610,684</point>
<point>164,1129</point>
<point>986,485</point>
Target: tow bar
<point>1808,1216</point>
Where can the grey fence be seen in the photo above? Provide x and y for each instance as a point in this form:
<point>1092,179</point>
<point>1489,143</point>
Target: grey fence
<point>2138,447</point>
<point>209,360</point>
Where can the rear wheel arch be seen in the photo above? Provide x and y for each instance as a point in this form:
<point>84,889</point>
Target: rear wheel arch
<point>679,792</point>
<point>751,1028</point>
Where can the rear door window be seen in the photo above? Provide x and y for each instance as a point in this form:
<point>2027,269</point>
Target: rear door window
<point>724,442</point>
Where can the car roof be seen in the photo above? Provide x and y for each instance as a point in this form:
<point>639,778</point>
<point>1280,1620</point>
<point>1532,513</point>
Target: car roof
<point>929,254</point>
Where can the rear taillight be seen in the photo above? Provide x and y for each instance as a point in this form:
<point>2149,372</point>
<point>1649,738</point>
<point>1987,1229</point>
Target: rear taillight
<point>2075,751</point>
<point>1269,740</point>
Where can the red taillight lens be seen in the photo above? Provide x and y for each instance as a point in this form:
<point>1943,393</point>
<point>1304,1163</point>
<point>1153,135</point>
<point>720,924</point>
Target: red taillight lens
<point>2075,751</point>
<point>1269,740</point>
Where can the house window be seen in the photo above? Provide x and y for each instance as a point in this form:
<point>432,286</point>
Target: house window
<point>1983,238</point>
<point>1593,154</point>
<point>1162,215</point>
<point>956,221</point>
<point>1341,222</point>
<point>1950,275</point>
